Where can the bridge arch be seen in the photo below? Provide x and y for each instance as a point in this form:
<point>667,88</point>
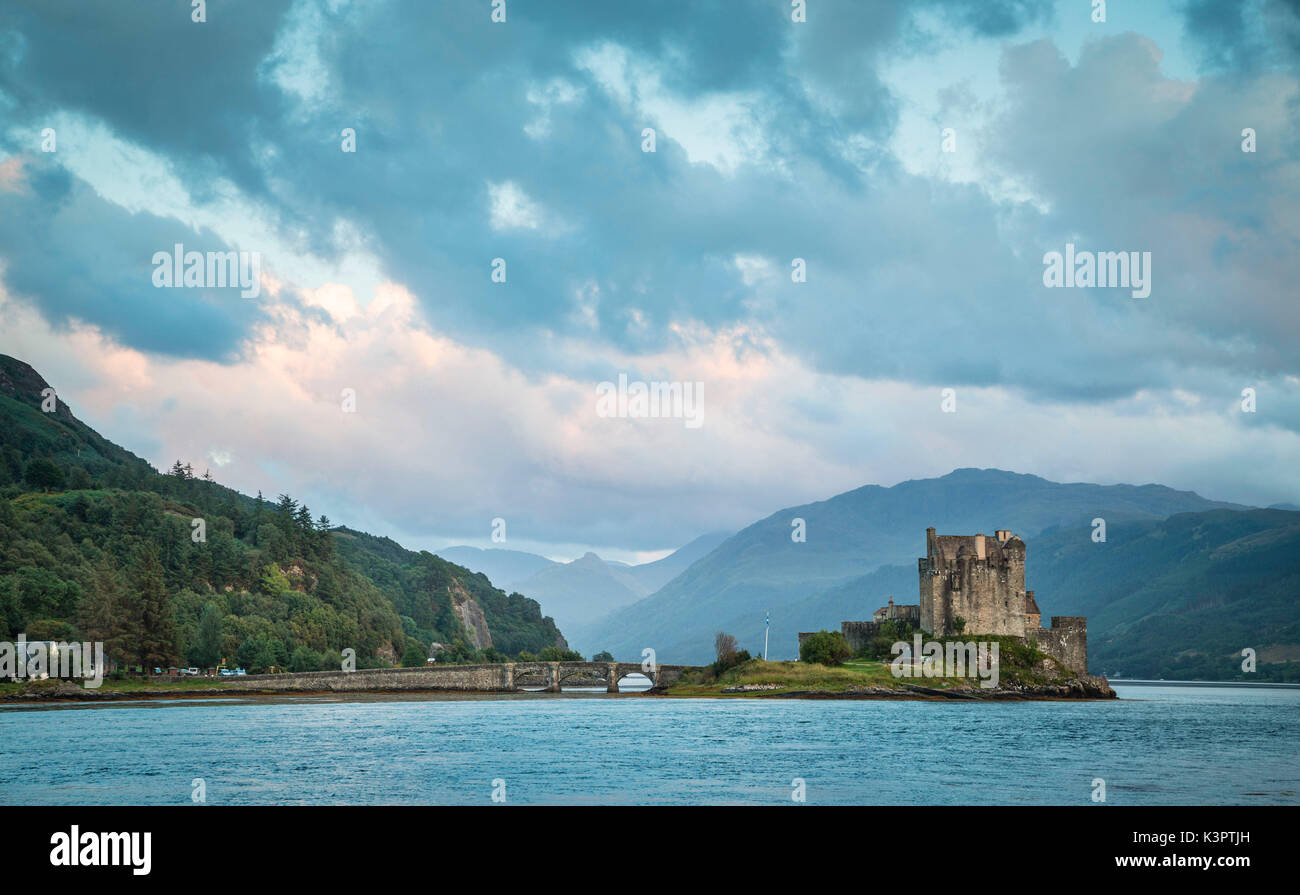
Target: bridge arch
<point>550,676</point>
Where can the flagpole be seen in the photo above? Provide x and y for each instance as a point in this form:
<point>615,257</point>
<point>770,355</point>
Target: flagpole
<point>767,625</point>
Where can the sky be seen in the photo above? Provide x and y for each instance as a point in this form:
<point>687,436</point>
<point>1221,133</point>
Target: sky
<point>837,245</point>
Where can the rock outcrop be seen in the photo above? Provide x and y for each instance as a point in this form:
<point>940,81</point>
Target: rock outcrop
<point>471,616</point>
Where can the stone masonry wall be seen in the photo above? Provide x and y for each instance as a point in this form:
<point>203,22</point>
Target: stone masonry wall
<point>859,634</point>
<point>1066,641</point>
<point>447,677</point>
<point>982,593</point>
<point>481,678</point>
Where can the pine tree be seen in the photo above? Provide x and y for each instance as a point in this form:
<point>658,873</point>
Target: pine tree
<point>103,614</point>
<point>206,651</point>
<point>156,645</point>
<point>324,541</point>
<point>286,505</point>
<point>257,517</point>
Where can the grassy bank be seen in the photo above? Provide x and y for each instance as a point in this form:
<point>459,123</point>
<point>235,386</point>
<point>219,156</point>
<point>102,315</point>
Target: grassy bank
<point>1021,669</point>
<point>126,686</point>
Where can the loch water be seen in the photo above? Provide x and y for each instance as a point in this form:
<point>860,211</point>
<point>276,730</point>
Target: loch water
<point>1157,744</point>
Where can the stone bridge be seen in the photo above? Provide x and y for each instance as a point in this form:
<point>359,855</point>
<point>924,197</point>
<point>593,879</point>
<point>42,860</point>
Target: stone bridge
<point>553,675</point>
<point>503,678</point>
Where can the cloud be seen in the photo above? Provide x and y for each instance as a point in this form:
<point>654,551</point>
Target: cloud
<point>446,437</point>
<point>776,141</point>
<point>511,209</point>
<point>11,175</point>
<point>1245,35</point>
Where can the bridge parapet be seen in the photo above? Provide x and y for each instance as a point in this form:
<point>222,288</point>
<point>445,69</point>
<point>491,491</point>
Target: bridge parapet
<point>505,677</point>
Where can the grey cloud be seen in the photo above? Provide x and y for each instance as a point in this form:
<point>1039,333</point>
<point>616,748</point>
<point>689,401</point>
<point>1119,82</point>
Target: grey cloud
<point>910,278</point>
<point>80,257</point>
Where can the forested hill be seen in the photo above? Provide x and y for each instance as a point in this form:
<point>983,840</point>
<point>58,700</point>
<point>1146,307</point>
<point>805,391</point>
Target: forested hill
<point>95,544</point>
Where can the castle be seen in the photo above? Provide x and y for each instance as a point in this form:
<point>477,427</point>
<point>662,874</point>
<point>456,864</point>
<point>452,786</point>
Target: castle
<point>974,584</point>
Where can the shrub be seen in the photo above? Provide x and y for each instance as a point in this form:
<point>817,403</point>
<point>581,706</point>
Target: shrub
<point>555,654</point>
<point>825,648</point>
<point>43,474</point>
<point>415,656</point>
<point>880,648</point>
<point>305,659</point>
<point>730,661</point>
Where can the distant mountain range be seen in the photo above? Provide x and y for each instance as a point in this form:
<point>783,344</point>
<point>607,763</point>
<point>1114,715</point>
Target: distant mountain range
<point>580,593</point>
<point>506,568</point>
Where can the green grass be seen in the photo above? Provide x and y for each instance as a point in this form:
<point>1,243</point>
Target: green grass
<point>790,676</point>
<point>1017,663</point>
<point>126,685</point>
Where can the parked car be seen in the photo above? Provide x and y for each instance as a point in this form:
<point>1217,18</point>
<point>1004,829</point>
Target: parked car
<point>192,672</point>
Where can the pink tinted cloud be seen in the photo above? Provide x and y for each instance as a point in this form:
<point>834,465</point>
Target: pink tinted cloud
<point>12,178</point>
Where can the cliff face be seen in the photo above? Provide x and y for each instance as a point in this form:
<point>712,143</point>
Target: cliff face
<point>471,616</point>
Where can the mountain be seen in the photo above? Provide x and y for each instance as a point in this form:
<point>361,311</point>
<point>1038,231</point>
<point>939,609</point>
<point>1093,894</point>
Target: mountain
<point>849,536</point>
<point>582,591</point>
<point>95,544</point>
<point>1180,598</point>
<point>504,567</point>
<point>653,575</point>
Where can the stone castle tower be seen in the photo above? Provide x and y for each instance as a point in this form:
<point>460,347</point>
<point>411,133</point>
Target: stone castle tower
<point>977,578</point>
<point>982,580</point>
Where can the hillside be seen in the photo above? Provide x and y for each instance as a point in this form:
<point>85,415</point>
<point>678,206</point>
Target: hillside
<point>97,545</point>
<point>852,535</point>
<point>653,575</point>
<point>435,596</point>
<point>1180,598</point>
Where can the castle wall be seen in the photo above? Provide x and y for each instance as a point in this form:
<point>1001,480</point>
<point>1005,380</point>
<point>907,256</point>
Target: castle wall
<point>859,634</point>
<point>1066,641</point>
